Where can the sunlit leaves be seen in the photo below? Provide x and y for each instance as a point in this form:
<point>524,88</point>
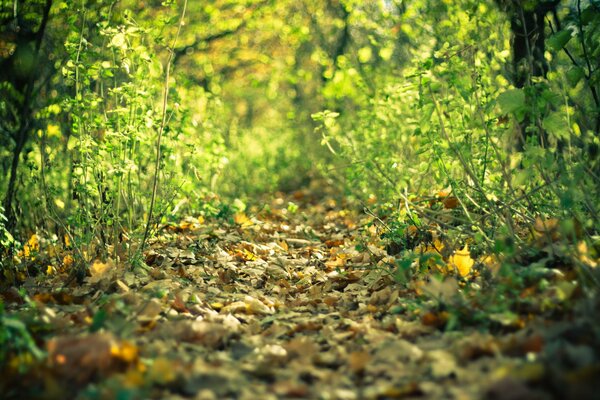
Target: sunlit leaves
<point>365,54</point>
<point>118,41</point>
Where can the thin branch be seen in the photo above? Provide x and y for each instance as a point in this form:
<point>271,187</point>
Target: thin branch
<point>162,128</point>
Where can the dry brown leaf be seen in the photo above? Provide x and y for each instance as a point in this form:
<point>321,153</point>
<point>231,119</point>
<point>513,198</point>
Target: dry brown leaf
<point>302,347</point>
<point>358,360</point>
<point>178,304</point>
<point>150,311</point>
<point>435,319</point>
<point>209,334</point>
<point>79,359</point>
<point>101,271</point>
<point>255,306</point>
<point>450,202</point>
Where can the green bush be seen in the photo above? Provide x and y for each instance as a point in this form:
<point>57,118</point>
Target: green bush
<point>450,121</point>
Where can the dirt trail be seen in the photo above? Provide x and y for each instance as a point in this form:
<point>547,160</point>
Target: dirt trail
<point>280,304</point>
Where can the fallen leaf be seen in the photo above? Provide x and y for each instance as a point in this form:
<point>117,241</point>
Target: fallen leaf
<point>443,364</point>
<point>163,371</point>
<point>462,261</point>
<point>242,220</point>
<point>150,311</point>
<point>435,319</point>
<point>358,360</point>
<point>31,247</point>
<point>100,271</point>
<point>450,202</point>
<point>255,306</point>
<point>124,351</point>
<point>80,359</point>
<point>178,304</point>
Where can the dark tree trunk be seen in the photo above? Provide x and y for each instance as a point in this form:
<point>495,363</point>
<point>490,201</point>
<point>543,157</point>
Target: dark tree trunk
<point>528,47</point>
<point>12,182</point>
<point>22,75</point>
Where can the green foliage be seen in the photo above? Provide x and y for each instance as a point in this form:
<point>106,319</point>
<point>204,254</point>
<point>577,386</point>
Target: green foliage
<point>17,346</point>
<point>7,241</point>
<point>450,120</point>
<point>8,245</point>
<point>92,166</point>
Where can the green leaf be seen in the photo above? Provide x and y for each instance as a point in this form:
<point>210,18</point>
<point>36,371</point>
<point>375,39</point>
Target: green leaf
<point>556,125</point>
<point>403,271</point>
<point>512,101</point>
<point>588,15</point>
<point>119,41</point>
<point>559,40</point>
<point>365,54</point>
<point>574,75</point>
<point>98,320</point>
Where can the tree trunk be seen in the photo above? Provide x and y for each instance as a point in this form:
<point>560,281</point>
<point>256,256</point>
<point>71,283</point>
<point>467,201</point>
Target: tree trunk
<point>12,183</point>
<point>25,85</point>
<point>528,48</point>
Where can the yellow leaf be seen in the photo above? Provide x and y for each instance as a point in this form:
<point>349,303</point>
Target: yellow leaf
<point>242,219</point>
<point>133,378</point>
<point>162,371</point>
<point>99,268</point>
<point>585,256</point>
<point>125,351</point>
<point>100,271</point>
<point>32,246</point>
<point>53,130</point>
<point>246,255</point>
<point>68,261</point>
<point>462,261</point>
<point>438,245</point>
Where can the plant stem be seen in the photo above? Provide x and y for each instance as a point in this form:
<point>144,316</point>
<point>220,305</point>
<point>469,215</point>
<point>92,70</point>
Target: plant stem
<point>161,129</point>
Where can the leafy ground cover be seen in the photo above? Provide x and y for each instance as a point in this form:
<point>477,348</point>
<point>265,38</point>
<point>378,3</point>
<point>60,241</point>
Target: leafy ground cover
<point>304,297</point>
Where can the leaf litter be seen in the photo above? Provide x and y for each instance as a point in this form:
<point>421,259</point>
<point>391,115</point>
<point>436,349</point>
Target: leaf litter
<point>301,302</point>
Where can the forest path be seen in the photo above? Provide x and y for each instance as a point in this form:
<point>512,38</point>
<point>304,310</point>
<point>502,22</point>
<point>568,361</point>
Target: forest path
<point>279,304</point>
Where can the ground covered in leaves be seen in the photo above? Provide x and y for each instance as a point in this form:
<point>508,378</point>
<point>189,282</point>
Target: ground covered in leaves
<point>300,299</point>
